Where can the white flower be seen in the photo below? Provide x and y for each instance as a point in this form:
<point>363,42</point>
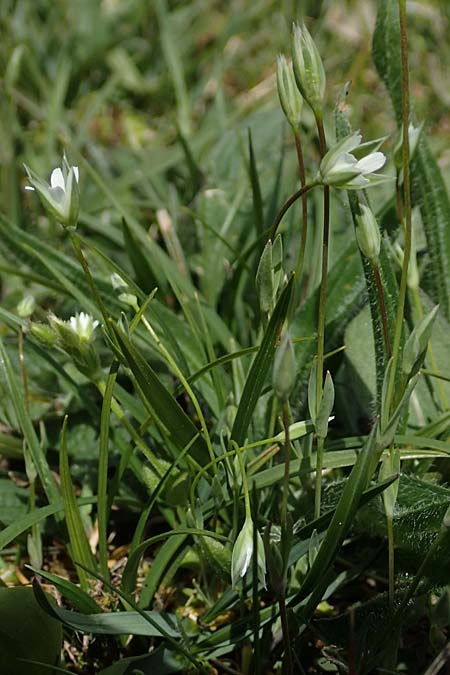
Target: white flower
<point>60,198</point>
<point>341,168</point>
<point>83,325</point>
<point>243,552</point>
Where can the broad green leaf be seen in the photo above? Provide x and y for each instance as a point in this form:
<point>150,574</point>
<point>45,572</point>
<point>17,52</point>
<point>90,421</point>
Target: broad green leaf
<point>36,516</point>
<point>112,623</point>
<point>27,632</point>
<point>159,662</point>
<point>73,593</point>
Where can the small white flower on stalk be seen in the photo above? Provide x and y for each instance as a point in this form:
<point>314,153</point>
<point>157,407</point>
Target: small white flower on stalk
<point>308,68</point>
<point>60,198</point>
<point>75,337</point>
<point>352,165</point>
<point>83,325</point>
<point>243,553</point>
<point>290,98</point>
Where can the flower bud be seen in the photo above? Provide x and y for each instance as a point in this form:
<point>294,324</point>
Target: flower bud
<point>264,279</point>
<point>368,233</point>
<point>60,198</point>
<point>284,368</point>
<point>290,98</point>
<point>43,333</point>
<point>26,306</point>
<point>243,552</point>
<point>308,68</point>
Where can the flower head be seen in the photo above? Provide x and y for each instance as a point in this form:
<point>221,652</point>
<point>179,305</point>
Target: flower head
<point>59,198</point>
<point>83,325</point>
<point>243,552</point>
<point>75,337</point>
<point>352,164</point>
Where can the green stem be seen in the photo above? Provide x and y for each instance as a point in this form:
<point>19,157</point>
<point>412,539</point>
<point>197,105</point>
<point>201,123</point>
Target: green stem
<point>384,320</point>
<point>286,206</point>
<point>288,666</point>
<point>323,283</point>
<point>102,480</point>
<point>87,272</point>
<point>248,510</point>
<point>301,171</point>
<point>319,467</point>
<point>287,457</point>
<point>407,205</point>
<point>391,564</point>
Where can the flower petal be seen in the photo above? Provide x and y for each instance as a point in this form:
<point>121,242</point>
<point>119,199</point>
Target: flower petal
<point>29,187</point>
<point>57,179</point>
<point>76,173</point>
<point>371,163</point>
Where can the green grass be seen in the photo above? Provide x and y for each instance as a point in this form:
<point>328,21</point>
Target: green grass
<point>132,452</point>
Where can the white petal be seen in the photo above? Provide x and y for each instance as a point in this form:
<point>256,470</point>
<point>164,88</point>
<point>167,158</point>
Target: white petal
<point>76,173</point>
<point>57,179</point>
<point>371,163</point>
<point>349,143</point>
<point>28,187</point>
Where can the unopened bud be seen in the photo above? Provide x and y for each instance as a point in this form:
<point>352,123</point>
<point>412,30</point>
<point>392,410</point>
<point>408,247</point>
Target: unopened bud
<point>368,233</point>
<point>290,98</point>
<point>243,553</point>
<point>26,307</point>
<point>308,68</point>
<point>43,333</point>
<point>284,368</point>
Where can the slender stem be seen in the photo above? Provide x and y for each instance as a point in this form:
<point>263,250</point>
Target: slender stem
<point>102,471</point>
<point>288,666</point>
<point>323,283</point>
<point>319,467</point>
<point>406,201</point>
<point>287,458</point>
<point>301,171</point>
<point>248,510</point>
<point>87,272</point>
<point>23,371</point>
<point>384,320</point>
<point>391,563</point>
<point>286,206</point>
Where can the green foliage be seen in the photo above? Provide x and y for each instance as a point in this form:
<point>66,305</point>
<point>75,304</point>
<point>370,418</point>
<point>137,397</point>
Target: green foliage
<point>186,441</point>
<point>27,633</point>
